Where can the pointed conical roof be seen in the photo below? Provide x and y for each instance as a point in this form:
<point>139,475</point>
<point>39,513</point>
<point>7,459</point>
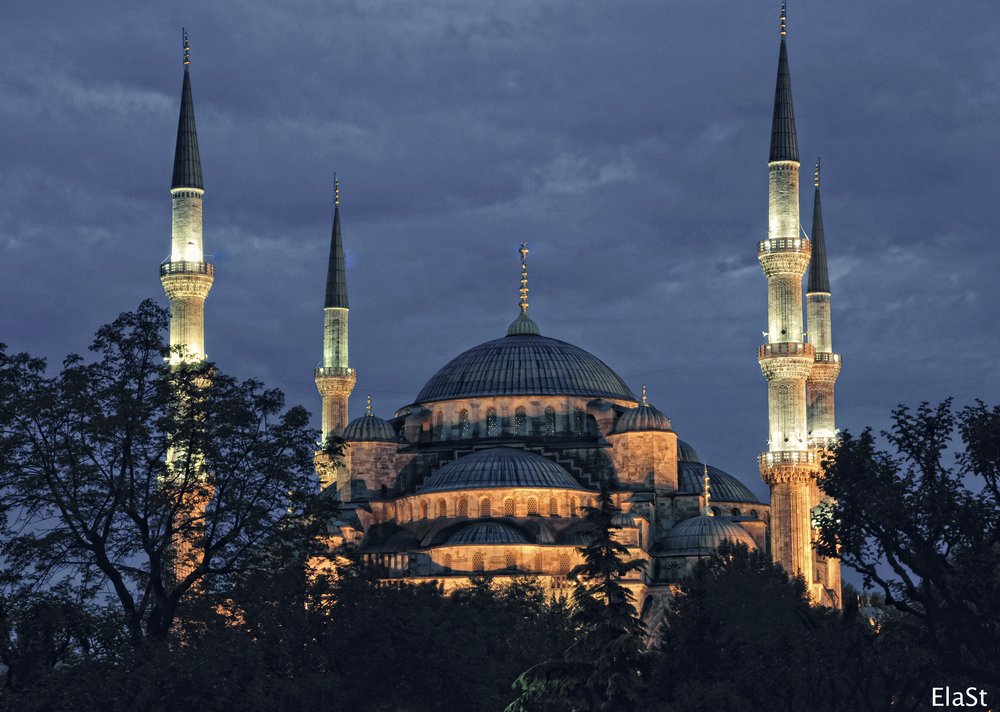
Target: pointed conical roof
<point>784,147</point>
<point>336,276</point>
<point>187,163</point>
<point>818,279</point>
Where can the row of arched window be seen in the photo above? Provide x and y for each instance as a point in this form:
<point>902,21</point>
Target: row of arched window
<point>521,422</point>
<point>510,562</point>
<point>532,507</point>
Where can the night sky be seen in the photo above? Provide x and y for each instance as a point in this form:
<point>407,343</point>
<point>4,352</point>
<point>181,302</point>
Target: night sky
<point>626,142</point>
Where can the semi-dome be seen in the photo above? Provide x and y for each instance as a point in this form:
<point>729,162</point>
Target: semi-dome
<point>369,428</point>
<point>686,453</point>
<point>642,417</point>
<point>701,535</point>
<point>524,365</point>
<point>487,533</point>
<point>499,467</point>
<point>725,487</point>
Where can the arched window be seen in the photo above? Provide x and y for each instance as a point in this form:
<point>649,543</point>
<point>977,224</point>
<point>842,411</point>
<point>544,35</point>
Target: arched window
<point>553,507</point>
<point>492,425</point>
<point>578,420</point>
<point>423,510</point>
<point>538,562</point>
<point>572,507</point>
<point>447,562</point>
<point>442,509</point>
<point>753,513</point>
<point>736,511</point>
<point>564,564</point>
<point>463,507</point>
<point>520,421</point>
<point>478,561</point>
<point>485,508</point>
<point>465,427</point>
<point>532,506</point>
<point>716,511</point>
<point>409,512</point>
<point>550,421</point>
<point>510,560</point>
<point>439,427</point>
<point>508,507</point>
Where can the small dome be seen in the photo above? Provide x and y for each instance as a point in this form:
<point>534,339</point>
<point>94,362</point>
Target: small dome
<point>642,417</point>
<point>499,467</point>
<point>524,364</point>
<point>522,325</point>
<point>487,533</point>
<point>725,487</point>
<point>701,535</point>
<point>369,428</point>
<point>685,453</point>
<point>623,519</point>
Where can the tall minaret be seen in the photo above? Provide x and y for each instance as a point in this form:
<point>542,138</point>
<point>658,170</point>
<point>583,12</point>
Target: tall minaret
<point>186,277</point>
<point>826,367</point>
<point>334,379</point>
<point>788,467</point>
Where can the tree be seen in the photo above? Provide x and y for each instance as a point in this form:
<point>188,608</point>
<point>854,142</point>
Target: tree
<point>141,481</point>
<point>604,668</point>
<point>926,533</point>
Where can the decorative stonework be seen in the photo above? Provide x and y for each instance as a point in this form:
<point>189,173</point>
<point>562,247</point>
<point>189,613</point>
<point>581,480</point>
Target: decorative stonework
<point>785,262</point>
<point>825,370</point>
<point>341,384</point>
<point>187,285</point>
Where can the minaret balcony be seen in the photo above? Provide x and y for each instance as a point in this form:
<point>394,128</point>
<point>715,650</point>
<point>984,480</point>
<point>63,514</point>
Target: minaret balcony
<point>788,457</point>
<point>822,357</point>
<point>785,349</point>
<point>784,244</point>
<point>335,372</point>
<point>184,267</point>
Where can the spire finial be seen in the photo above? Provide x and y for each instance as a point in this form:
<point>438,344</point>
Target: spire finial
<point>524,277</point>
<point>644,394</point>
<point>817,172</point>
<point>369,412</point>
<point>782,18</point>
<point>707,511</point>
<point>187,57</point>
<point>336,190</point>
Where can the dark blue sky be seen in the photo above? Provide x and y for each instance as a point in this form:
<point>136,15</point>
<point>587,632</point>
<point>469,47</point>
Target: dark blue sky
<point>626,142</point>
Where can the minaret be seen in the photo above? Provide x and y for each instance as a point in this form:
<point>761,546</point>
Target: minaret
<point>788,467</point>
<point>334,379</point>
<point>185,276</point>
<point>826,367</point>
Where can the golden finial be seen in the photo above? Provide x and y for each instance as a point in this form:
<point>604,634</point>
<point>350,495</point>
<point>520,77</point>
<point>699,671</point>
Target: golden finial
<point>187,57</point>
<point>644,394</point>
<point>707,511</point>
<point>817,172</point>
<point>336,192</point>
<point>369,405</point>
<point>524,277</point>
<point>782,18</point>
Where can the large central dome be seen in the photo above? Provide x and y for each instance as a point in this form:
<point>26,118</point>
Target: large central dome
<point>525,365</point>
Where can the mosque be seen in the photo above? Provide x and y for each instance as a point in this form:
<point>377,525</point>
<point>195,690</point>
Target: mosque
<point>490,469</point>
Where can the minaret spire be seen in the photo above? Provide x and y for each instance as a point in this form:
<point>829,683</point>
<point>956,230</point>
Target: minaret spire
<point>523,324</point>
<point>186,277</point>
<point>818,280</point>
<point>334,378</point>
<point>784,146</point>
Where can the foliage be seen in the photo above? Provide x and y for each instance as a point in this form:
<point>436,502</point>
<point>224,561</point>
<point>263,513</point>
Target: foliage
<point>935,528</point>
<point>605,667</point>
<point>140,480</point>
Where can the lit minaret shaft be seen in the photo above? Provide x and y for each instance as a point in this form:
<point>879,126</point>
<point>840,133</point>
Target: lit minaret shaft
<point>822,427</point>
<point>186,277</point>
<point>334,379</point>
<point>785,361</point>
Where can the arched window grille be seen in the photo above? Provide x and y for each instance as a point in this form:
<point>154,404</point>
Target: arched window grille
<point>510,560</point>
<point>564,564</point>
<point>532,506</point>
<point>508,507</point>
<point>439,427</point>
<point>442,509</point>
<point>572,507</point>
<point>465,427</point>
<point>550,421</point>
<point>409,512</point>
<point>538,562</point>
<point>553,507</point>
<point>578,421</point>
<point>463,507</point>
<point>478,561</point>
<point>485,508</point>
<point>423,510</point>
<point>492,424</point>
<point>447,562</point>
<point>520,421</point>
